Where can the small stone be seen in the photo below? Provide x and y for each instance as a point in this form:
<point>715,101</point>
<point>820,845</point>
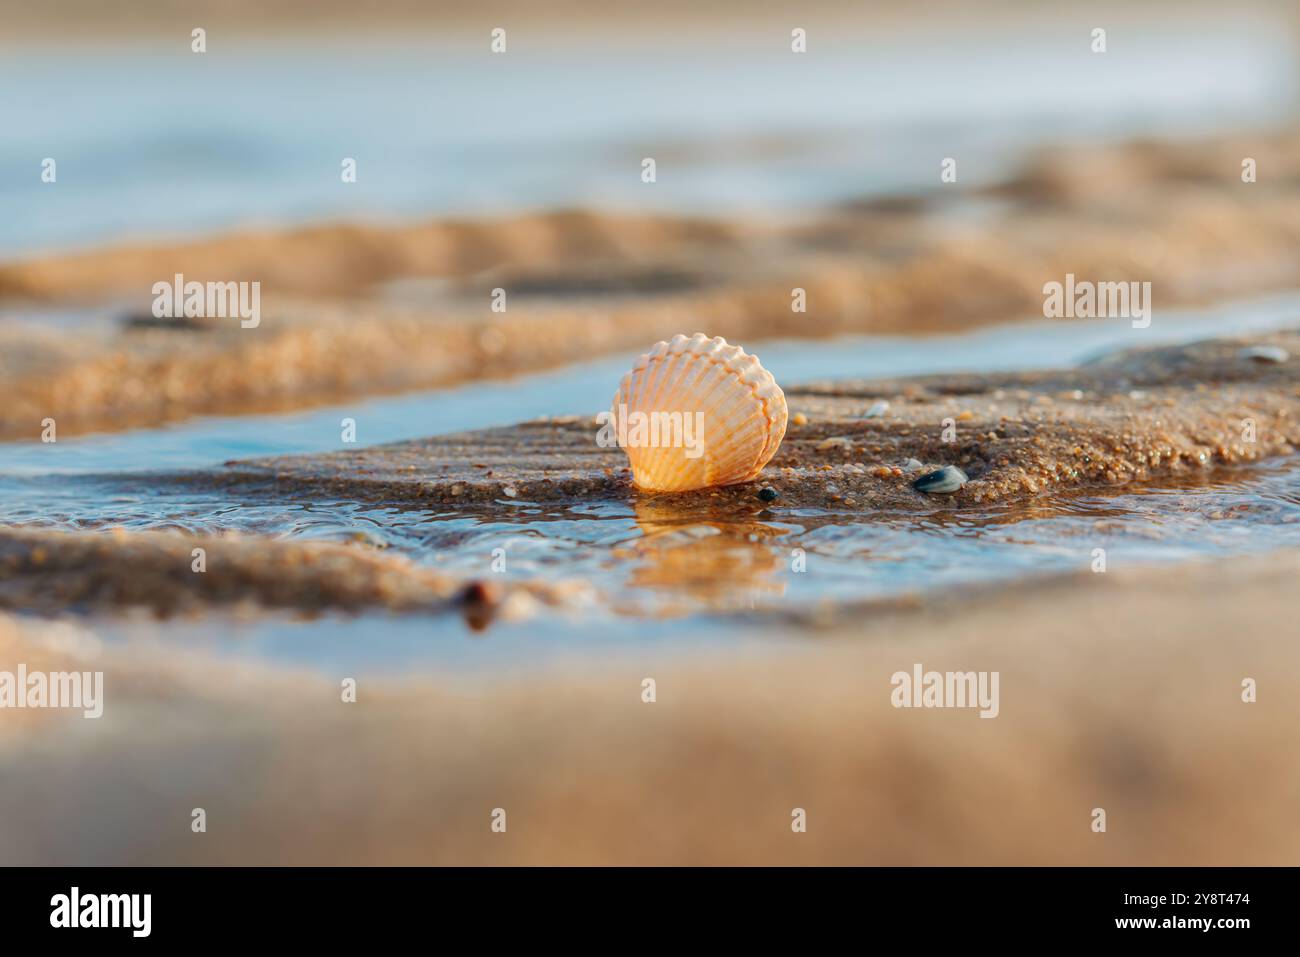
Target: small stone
<point>798,419</point>
<point>479,602</point>
<point>767,494</point>
<point>1269,354</point>
<point>943,482</point>
<point>510,491</point>
<point>835,442</point>
<point>877,410</point>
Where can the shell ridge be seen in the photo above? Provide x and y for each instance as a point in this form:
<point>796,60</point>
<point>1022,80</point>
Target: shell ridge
<point>748,413</point>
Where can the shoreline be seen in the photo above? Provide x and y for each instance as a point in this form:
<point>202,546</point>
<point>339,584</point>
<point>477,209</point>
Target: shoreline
<point>1140,414</point>
<point>1121,421</point>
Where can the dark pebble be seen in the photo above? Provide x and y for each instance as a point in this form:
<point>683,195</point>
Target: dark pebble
<point>946,480</point>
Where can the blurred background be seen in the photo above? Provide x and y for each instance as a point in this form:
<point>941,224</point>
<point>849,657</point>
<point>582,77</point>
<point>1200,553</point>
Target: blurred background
<point>154,141</point>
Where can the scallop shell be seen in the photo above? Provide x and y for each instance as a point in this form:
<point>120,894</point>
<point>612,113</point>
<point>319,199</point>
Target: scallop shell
<point>741,422</point>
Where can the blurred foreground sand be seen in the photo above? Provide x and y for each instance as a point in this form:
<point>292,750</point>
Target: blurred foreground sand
<point>1120,691</point>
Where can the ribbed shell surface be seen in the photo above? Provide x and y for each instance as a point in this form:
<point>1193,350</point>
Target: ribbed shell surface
<point>744,413</point>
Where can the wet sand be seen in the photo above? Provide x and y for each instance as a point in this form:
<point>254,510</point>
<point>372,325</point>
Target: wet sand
<point>1120,691</point>
<point>583,284</point>
<point>50,572</point>
<point>1131,417</point>
<point>1137,415</point>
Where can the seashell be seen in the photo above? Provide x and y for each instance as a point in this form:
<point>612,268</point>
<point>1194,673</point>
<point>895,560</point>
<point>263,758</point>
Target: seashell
<point>877,410</point>
<point>946,480</point>
<point>1265,354</point>
<point>721,415</point>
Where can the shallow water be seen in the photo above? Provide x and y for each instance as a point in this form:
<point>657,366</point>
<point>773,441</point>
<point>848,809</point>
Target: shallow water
<point>654,572</point>
<point>650,567</point>
<point>154,143</point>
<point>585,388</point>
<point>651,560</point>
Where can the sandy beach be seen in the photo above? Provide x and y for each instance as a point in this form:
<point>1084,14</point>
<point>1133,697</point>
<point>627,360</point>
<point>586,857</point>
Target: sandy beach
<point>362,582</point>
<point>1117,692</point>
